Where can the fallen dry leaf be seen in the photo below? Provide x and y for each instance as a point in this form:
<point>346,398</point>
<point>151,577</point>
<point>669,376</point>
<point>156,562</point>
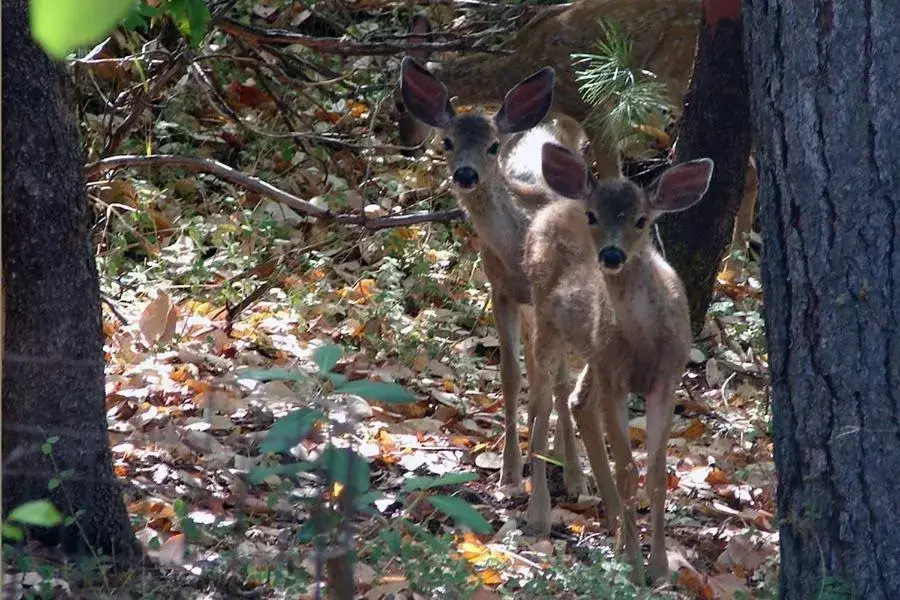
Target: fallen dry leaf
<point>157,321</point>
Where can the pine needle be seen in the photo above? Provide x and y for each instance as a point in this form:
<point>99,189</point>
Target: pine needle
<point>627,103</point>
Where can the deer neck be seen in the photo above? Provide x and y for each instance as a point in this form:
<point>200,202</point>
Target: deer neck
<point>498,220</point>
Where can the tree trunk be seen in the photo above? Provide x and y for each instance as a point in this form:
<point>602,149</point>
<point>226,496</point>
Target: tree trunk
<point>825,103</point>
<point>715,123</point>
<point>53,382</point>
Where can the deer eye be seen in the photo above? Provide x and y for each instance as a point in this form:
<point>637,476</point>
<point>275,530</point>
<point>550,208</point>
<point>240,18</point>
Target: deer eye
<point>448,144</point>
<point>592,219</point>
<point>495,148</point>
<point>641,223</point>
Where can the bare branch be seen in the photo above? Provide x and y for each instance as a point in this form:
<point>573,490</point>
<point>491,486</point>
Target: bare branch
<point>259,35</point>
<point>223,171</point>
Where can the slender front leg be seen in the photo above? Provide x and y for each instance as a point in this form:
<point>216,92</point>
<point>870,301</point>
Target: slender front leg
<point>526,316</point>
<point>506,315</point>
<point>564,441</point>
<point>587,413</point>
<point>615,412</point>
<point>546,348</point>
<point>659,425</point>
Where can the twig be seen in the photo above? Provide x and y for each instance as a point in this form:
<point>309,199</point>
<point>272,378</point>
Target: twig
<point>260,35</point>
<point>223,171</point>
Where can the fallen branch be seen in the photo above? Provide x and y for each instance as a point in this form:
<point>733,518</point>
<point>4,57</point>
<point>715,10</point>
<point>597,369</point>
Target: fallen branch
<point>255,184</point>
<point>340,46</point>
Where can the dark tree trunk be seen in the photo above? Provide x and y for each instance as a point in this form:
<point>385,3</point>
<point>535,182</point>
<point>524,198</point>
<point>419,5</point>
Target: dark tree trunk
<point>53,383</point>
<point>715,123</point>
<point>826,108</point>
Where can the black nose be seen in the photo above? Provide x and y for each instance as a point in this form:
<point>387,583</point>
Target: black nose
<point>466,177</point>
<point>611,257</point>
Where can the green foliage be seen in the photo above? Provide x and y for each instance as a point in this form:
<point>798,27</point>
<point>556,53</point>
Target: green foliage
<point>622,98</point>
<point>598,578</point>
<point>39,513</point>
<point>462,512</point>
<point>61,26</point>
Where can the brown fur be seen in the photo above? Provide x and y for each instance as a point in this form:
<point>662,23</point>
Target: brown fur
<point>500,208</point>
<point>631,326</point>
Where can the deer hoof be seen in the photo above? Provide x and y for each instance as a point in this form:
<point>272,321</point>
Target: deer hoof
<point>537,517</point>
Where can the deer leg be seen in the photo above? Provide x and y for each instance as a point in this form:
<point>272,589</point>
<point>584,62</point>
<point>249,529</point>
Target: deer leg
<point>564,440</point>
<point>615,411</point>
<point>659,425</point>
<point>531,368</point>
<point>506,316</point>
<point>546,350</point>
<point>586,411</point>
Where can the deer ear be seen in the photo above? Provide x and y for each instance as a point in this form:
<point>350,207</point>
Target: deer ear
<point>527,103</point>
<point>564,171</point>
<point>425,97</point>
<point>682,185</point>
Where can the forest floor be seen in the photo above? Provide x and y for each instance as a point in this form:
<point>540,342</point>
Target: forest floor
<point>225,311</point>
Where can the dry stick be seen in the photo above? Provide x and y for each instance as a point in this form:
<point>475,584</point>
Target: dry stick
<point>338,46</point>
<point>223,171</point>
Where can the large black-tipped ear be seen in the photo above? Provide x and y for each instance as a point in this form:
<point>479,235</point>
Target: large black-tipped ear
<point>527,103</point>
<point>424,96</point>
<point>564,171</point>
<point>682,186</point>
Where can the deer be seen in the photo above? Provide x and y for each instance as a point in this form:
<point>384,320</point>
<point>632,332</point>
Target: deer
<point>494,164</point>
<point>600,288</point>
<point>663,39</point>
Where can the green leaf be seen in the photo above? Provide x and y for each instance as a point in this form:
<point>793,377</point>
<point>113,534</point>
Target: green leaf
<point>259,474</point>
<point>288,431</point>
<point>191,17</point>
<point>11,532</point>
<point>139,16</point>
<point>53,484</point>
<point>346,466</point>
<point>424,483</point>
<point>180,508</point>
<point>390,393</point>
<point>462,512</point>
<point>271,375</point>
<point>549,459</point>
<point>62,26</point>
<point>392,539</point>
<point>36,512</point>
<point>327,356</point>
<point>198,19</point>
<point>336,379</point>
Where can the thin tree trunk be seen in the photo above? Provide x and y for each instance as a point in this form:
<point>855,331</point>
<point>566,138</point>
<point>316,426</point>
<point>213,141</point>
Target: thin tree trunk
<point>53,383</point>
<point>825,103</point>
<point>715,123</point>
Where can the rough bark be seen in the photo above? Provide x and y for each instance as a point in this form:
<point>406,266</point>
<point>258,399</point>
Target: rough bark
<point>53,383</point>
<point>715,123</point>
<point>825,103</point>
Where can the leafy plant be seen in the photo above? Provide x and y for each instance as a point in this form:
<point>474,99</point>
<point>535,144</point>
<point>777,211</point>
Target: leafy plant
<point>40,513</point>
<point>628,103</point>
<point>63,26</point>
<point>344,486</point>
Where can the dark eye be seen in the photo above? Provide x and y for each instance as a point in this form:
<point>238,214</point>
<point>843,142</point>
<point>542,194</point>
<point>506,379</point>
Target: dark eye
<point>448,144</point>
<point>495,148</point>
<point>592,220</point>
<point>641,223</point>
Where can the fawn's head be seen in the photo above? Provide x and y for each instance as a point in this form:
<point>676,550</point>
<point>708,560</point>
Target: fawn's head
<point>620,213</point>
<point>472,140</point>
